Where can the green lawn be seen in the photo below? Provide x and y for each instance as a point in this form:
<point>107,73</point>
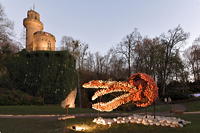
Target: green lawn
<point>43,109</point>
<point>134,128</point>
<point>193,106</point>
<point>56,109</point>
<point>55,126</point>
<point>31,126</point>
<point>190,106</point>
<point>50,125</point>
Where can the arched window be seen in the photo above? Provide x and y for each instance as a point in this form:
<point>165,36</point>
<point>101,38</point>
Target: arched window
<point>49,46</point>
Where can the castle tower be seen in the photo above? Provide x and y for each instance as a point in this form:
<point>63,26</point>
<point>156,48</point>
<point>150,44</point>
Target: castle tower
<point>36,38</point>
<point>32,24</point>
<point>44,41</point>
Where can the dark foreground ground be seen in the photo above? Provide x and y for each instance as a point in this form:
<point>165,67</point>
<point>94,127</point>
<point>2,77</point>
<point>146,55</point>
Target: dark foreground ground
<point>35,125</point>
<point>52,125</point>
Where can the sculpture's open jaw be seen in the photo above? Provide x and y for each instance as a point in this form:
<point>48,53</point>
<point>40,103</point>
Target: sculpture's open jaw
<point>113,104</point>
<point>105,91</point>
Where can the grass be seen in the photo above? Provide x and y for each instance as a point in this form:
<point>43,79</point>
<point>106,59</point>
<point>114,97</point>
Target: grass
<point>56,109</point>
<point>190,106</point>
<point>127,128</point>
<point>43,109</point>
<point>31,126</point>
<point>55,126</point>
<point>193,106</point>
<point>49,125</point>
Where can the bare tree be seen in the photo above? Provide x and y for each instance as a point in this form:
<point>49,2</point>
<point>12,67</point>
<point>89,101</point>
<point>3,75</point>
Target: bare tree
<point>99,63</point>
<point>6,26</point>
<point>22,39</point>
<point>117,68</point>
<point>171,40</point>
<point>6,33</point>
<point>82,53</point>
<point>70,44</point>
<point>107,61</point>
<point>90,62</point>
<point>148,56</point>
<point>126,48</point>
<point>177,68</point>
<point>192,55</point>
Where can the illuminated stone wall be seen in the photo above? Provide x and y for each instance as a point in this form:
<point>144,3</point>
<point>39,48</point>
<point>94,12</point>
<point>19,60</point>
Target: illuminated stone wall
<point>44,41</point>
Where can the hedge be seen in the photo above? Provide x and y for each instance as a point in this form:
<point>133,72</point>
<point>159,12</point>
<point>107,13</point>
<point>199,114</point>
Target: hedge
<point>48,74</point>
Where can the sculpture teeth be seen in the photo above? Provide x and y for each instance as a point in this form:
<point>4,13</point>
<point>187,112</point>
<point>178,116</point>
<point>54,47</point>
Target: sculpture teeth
<point>113,104</point>
<point>106,91</point>
<point>98,84</point>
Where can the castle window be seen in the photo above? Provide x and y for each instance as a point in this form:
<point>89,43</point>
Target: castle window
<point>49,45</point>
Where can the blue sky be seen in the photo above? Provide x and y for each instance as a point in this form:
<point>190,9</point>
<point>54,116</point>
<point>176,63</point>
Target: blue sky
<point>103,23</point>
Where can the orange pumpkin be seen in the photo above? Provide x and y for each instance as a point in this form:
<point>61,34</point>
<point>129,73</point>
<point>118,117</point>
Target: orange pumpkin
<point>139,89</point>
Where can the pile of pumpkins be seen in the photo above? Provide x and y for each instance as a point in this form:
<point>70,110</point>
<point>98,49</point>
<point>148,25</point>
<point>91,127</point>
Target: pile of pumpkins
<point>143,119</point>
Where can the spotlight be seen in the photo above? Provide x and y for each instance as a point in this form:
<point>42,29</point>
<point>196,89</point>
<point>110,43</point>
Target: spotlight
<point>78,128</point>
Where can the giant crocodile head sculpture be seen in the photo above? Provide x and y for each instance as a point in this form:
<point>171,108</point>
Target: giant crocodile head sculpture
<point>140,89</point>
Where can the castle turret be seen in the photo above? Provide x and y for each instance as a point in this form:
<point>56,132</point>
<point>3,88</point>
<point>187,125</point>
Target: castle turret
<point>32,24</point>
<point>44,41</point>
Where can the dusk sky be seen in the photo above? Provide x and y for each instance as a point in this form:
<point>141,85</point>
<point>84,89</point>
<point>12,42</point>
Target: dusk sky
<point>103,23</point>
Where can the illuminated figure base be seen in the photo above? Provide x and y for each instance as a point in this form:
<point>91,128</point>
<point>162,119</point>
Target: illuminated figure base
<point>145,120</point>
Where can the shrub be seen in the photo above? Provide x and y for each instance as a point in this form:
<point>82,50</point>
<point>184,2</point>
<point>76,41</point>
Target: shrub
<point>178,91</point>
<point>17,97</point>
<point>194,86</point>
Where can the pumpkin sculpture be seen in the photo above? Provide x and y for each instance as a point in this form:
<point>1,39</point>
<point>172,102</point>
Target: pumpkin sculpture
<point>139,89</point>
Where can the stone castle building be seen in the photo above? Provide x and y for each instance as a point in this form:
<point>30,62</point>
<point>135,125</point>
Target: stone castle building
<point>36,38</point>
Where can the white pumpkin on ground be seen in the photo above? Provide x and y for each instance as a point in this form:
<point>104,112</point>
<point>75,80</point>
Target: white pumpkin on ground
<point>145,120</point>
